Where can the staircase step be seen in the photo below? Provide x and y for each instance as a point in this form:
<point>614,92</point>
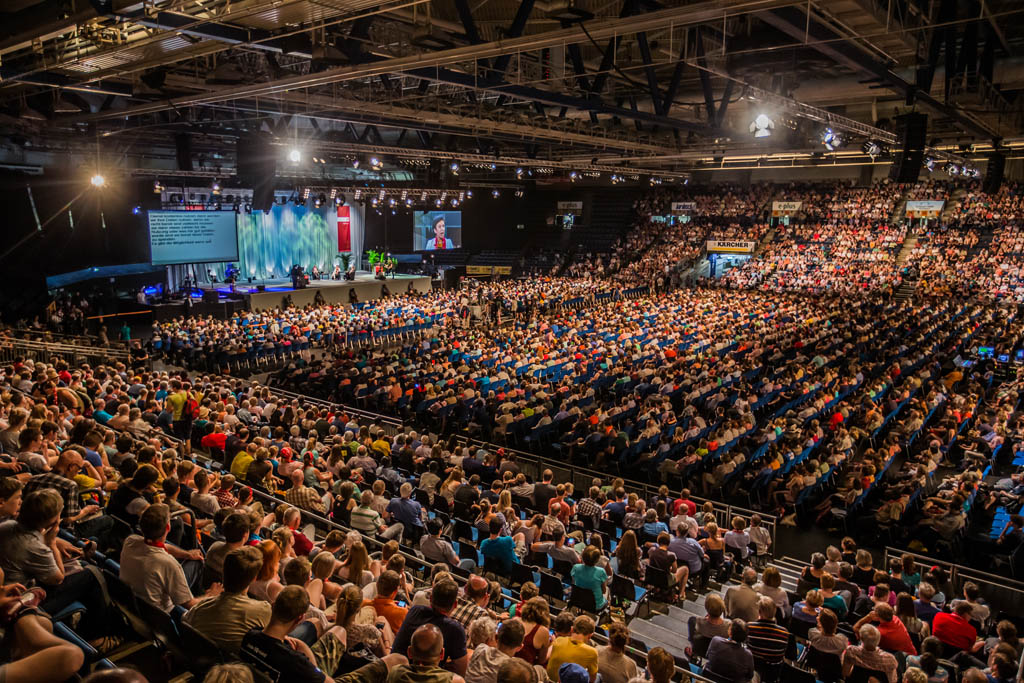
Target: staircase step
<point>683,614</point>
<point>653,633</point>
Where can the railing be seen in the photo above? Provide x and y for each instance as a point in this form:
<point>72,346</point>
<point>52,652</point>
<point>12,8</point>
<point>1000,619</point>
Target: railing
<point>1002,593</point>
<point>48,352</point>
<point>533,466</point>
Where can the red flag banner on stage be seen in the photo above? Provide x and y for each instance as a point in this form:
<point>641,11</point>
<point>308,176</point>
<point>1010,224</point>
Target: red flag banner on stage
<point>344,224</point>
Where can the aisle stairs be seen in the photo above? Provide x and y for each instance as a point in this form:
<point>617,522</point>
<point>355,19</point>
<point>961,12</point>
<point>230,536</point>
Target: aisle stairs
<point>908,246</point>
<point>667,626</point>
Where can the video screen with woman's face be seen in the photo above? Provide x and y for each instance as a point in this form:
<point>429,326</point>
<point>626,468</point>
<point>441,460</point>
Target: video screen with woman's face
<point>436,230</point>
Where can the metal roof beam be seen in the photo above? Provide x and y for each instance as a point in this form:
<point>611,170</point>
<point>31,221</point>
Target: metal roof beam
<point>689,15</point>
<point>797,24</point>
<point>561,100</point>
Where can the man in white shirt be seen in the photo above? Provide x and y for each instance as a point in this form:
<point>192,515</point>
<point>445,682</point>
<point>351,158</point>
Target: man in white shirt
<point>151,569</point>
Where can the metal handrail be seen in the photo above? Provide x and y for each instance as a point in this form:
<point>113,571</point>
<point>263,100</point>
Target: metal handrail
<point>1001,591</point>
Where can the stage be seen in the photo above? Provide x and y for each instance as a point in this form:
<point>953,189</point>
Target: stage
<point>247,295</point>
<point>333,291</point>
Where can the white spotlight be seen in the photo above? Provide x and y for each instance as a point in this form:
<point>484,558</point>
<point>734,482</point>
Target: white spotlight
<point>295,156</point>
<point>98,180</point>
<point>762,126</point>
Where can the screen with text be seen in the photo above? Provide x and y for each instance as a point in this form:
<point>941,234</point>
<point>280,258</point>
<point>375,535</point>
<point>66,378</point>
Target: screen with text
<point>192,237</point>
<point>436,230</point>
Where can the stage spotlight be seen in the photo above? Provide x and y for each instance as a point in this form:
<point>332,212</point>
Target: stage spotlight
<point>469,194</point>
<point>495,193</point>
<point>462,196</point>
<point>492,167</point>
<point>831,140</point>
<point>382,194</point>
<point>373,202</point>
<point>157,187</point>
<point>98,180</point>
<point>334,192</point>
<point>871,148</point>
<point>519,194</point>
<point>952,170</point>
<point>408,202</point>
<point>215,188</point>
<point>572,176</point>
<point>929,163</point>
<point>519,173</point>
<point>455,202</point>
<point>762,126</point>
<point>358,194</point>
<point>391,202</point>
<point>375,162</point>
<point>437,202</point>
<point>305,194</point>
<point>405,193</point>
<point>295,156</point>
<point>423,196</point>
<point>136,210</point>
<point>454,168</point>
<point>355,163</point>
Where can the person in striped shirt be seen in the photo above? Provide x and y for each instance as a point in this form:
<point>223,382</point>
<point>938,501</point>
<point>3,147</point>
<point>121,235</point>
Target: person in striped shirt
<point>767,640</point>
<point>369,521</point>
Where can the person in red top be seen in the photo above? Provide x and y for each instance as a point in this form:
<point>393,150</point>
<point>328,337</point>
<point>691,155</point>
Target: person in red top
<point>691,507</point>
<point>955,629</point>
<point>215,439</point>
<point>292,519</point>
<point>894,635</point>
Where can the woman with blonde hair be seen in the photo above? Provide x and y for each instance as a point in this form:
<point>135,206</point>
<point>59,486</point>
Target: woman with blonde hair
<point>536,620</point>
<point>359,635</point>
<point>356,567</point>
<point>453,482</point>
<point>285,540</point>
<point>713,623</point>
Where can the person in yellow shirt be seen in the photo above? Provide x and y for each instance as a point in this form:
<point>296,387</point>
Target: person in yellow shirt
<point>240,463</point>
<point>574,648</point>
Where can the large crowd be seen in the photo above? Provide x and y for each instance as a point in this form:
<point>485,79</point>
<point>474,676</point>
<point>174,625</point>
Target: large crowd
<point>300,540</point>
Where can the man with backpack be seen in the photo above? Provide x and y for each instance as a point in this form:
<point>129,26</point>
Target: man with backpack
<point>183,405</point>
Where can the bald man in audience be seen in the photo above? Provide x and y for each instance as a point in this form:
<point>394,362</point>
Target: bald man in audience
<point>425,652</point>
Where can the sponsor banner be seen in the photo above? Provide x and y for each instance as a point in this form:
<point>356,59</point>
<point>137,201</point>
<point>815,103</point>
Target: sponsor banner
<point>683,207</point>
<point>731,246</point>
<point>502,270</point>
<point>479,270</point>
<point>570,207</point>
<point>924,208</point>
<point>344,228</point>
<point>785,208</point>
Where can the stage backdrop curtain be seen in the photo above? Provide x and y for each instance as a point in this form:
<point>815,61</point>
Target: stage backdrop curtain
<point>270,243</point>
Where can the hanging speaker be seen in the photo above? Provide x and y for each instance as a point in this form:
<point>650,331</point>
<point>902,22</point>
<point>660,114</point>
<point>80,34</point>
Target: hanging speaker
<point>994,173</point>
<point>257,167</point>
<point>913,129</point>
<point>183,149</point>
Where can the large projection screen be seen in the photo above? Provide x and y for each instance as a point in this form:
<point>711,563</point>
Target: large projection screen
<point>192,237</point>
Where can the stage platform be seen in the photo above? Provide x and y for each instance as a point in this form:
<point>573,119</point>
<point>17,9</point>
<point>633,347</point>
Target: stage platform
<point>247,296</point>
<point>333,291</point>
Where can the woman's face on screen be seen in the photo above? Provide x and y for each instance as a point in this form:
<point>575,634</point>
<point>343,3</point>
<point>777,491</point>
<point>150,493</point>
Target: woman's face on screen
<point>439,229</point>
